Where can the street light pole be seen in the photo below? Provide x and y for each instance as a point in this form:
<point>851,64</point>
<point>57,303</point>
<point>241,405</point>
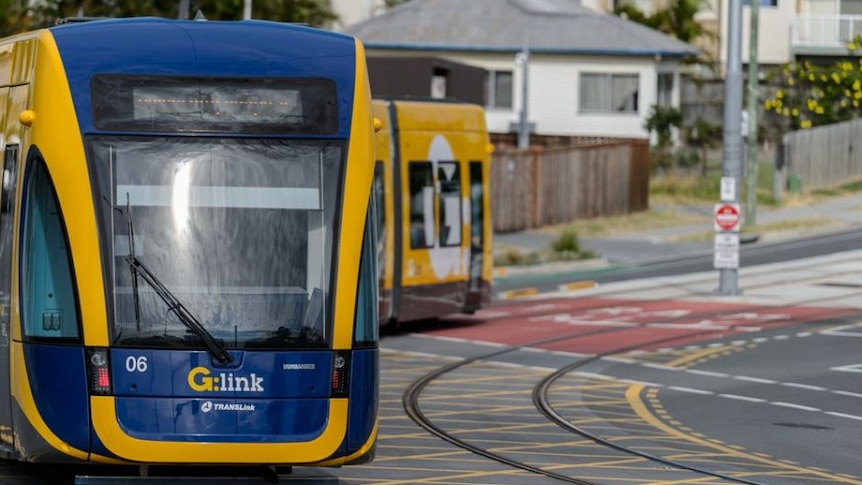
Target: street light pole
<point>732,143</point>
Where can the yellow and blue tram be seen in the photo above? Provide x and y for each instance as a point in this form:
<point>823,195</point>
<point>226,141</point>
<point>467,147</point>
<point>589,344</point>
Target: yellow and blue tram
<point>432,176</point>
<point>187,245</point>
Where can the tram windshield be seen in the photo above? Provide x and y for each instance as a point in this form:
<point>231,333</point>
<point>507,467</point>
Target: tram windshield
<point>239,232</point>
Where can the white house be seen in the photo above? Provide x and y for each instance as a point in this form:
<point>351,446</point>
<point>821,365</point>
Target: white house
<point>589,73</point>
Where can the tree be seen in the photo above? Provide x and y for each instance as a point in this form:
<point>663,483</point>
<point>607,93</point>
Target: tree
<point>703,135</point>
<point>677,20</point>
<point>662,120</point>
<point>807,94</point>
<point>18,17</point>
<point>317,13</point>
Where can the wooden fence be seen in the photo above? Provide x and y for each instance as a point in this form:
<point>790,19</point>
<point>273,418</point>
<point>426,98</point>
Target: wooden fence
<point>826,155</point>
<point>540,187</point>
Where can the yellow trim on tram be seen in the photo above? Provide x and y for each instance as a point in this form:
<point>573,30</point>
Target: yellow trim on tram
<point>357,189</point>
<point>57,134</point>
<point>104,412</point>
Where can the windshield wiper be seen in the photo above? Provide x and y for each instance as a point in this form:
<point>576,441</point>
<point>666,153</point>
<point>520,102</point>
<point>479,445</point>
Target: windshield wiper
<point>175,305</point>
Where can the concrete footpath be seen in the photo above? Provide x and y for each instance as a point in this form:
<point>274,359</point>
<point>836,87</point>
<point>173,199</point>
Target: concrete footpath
<point>829,281</point>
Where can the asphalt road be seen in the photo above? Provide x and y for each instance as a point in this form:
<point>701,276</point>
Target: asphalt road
<point>790,395</point>
<point>689,262</point>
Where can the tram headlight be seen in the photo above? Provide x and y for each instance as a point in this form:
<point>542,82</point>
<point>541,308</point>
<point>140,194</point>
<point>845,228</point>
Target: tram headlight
<point>98,369</point>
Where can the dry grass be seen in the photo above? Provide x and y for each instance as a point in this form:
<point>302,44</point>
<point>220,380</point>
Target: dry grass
<point>625,224</point>
<point>775,227</point>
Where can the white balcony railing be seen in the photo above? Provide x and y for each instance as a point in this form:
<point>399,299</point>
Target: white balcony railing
<point>831,31</point>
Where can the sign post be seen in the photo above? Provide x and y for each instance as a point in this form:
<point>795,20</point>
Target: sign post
<point>727,219</point>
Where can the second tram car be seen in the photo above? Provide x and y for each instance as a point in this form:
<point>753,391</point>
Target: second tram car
<point>187,245</point>
<point>432,176</point>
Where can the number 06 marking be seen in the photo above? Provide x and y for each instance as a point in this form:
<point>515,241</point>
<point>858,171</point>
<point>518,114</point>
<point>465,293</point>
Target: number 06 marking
<point>136,364</point>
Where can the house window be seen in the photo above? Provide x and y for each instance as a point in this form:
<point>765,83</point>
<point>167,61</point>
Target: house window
<point>664,94</point>
<point>609,93</point>
<point>499,90</point>
<point>763,3</point>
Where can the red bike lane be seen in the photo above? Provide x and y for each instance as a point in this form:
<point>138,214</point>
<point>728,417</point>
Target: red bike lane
<point>612,324</point>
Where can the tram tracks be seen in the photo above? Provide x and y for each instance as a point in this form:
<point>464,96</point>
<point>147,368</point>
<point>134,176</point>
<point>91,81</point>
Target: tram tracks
<point>411,398</point>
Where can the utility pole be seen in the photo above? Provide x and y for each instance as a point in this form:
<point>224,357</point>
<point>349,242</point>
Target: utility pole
<point>732,150</point>
<point>246,10</point>
<point>184,10</point>
<point>524,122</point>
<point>753,78</point>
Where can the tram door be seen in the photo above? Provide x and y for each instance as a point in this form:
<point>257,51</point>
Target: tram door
<point>12,100</point>
<point>477,233</point>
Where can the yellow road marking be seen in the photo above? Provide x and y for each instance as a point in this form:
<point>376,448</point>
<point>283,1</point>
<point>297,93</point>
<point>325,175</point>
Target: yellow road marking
<point>519,293</point>
<point>633,395</point>
<point>700,354</point>
<point>578,285</point>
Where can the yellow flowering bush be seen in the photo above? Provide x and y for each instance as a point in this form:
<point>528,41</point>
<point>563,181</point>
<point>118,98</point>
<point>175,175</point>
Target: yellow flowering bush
<point>805,95</point>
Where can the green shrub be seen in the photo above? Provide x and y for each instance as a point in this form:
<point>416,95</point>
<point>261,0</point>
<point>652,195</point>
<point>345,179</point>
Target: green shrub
<point>567,242</point>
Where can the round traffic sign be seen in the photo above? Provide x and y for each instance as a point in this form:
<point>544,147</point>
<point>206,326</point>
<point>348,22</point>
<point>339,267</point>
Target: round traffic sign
<point>727,217</point>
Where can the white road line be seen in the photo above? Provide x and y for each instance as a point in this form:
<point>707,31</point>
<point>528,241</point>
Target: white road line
<point>842,415</point>
<point>459,340</point>
<point>687,325</point>
<point>804,334</point>
<point>707,373</point>
<point>661,367</point>
<point>794,406</point>
<point>755,379</point>
<point>576,355</point>
<point>742,398</point>
<point>692,391</point>
<point>592,375</point>
<point>760,340</point>
<point>804,386</point>
<point>619,360</point>
<point>781,337</point>
<point>847,393</point>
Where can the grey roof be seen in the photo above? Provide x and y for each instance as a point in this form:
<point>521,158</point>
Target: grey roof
<point>552,26</point>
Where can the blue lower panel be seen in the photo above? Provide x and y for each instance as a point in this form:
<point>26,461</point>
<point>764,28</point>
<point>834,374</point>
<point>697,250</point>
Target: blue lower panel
<point>58,380</point>
<point>223,420</point>
<point>364,391</point>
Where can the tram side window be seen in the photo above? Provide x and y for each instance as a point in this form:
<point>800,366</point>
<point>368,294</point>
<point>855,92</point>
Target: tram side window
<point>380,215</point>
<point>50,307</point>
<point>422,232</point>
<point>449,176</point>
<point>366,309</point>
